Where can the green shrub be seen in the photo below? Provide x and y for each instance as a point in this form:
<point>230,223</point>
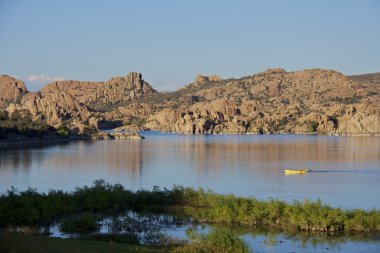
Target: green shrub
<point>139,122</point>
<point>334,120</point>
<point>218,240</point>
<point>63,131</point>
<point>4,115</point>
<point>226,241</point>
<point>15,115</point>
<point>210,120</point>
<point>82,224</point>
<point>89,130</point>
<point>312,126</point>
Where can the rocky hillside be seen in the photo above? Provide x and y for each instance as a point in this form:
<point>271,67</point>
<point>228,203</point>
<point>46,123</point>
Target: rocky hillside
<point>75,104</point>
<point>270,102</point>
<point>11,90</point>
<point>273,101</point>
<point>103,95</point>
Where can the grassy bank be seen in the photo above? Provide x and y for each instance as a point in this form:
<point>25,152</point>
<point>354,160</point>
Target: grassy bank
<point>33,208</point>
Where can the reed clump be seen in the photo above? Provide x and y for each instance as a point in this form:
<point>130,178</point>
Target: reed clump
<point>218,240</point>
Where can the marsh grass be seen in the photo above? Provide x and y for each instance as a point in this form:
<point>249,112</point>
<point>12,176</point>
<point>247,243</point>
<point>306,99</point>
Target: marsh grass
<point>33,208</point>
<point>220,240</point>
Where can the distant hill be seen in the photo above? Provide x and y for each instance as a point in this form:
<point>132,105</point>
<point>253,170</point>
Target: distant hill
<point>367,79</point>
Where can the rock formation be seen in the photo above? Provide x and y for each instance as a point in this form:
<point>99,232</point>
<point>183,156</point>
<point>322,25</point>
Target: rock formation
<point>274,101</point>
<point>11,90</point>
<point>118,135</point>
<point>100,95</point>
<point>76,104</point>
<point>270,102</point>
<point>201,79</point>
<point>56,109</point>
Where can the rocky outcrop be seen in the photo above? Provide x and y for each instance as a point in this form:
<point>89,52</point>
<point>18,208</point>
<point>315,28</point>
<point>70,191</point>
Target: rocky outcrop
<point>225,106</point>
<point>56,109</point>
<point>201,79</point>
<point>133,110</point>
<point>100,95</point>
<point>275,101</point>
<point>11,90</point>
<point>67,102</point>
<point>195,122</point>
<point>117,135</point>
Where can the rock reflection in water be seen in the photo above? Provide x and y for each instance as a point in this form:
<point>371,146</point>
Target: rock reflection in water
<point>244,165</point>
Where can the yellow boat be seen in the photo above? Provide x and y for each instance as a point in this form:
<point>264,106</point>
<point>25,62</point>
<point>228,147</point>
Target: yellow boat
<point>296,172</point>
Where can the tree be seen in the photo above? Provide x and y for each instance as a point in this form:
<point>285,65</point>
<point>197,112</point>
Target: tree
<point>4,115</point>
<point>312,126</point>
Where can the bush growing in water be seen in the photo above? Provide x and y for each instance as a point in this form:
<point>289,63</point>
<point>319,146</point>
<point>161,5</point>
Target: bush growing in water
<point>82,224</point>
<point>219,240</point>
<point>226,241</point>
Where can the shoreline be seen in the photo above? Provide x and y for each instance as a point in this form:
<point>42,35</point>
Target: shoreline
<point>251,133</point>
<point>127,135</point>
<point>35,143</point>
<point>30,143</point>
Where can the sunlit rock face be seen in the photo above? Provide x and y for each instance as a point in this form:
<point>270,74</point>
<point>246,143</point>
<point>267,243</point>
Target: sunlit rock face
<point>102,94</point>
<point>274,101</point>
<point>270,102</point>
<point>11,90</point>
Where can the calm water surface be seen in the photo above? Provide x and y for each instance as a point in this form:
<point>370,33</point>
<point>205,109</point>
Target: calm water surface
<point>345,173</point>
<point>345,170</point>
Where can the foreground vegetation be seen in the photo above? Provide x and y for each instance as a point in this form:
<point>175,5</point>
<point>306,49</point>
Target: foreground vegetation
<point>220,240</point>
<point>217,241</point>
<point>17,243</point>
<point>33,208</point>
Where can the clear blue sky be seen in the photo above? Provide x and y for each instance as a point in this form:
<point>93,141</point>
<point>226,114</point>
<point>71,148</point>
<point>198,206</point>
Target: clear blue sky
<point>170,42</point>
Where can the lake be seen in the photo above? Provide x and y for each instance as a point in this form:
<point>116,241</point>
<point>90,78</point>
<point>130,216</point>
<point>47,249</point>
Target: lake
<point>345,172</point>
